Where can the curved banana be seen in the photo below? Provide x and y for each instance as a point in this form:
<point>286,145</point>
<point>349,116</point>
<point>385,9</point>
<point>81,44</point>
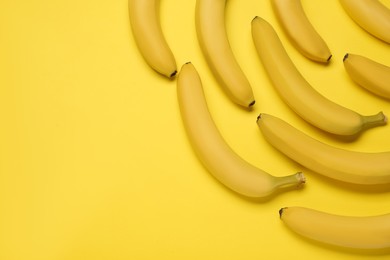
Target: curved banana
<point>215,154</point>
<point>214,43</point>
<point>148,35</point>
<point>299,29</point>
<point>359,232</point>
<point>298,93</point>
<point>368,73</point>
<point>371,15</point>
<point>339,164</point>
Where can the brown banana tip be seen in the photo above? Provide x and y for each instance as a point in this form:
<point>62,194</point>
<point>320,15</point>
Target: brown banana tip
<point>330,57</point>
<point>255,17</point>
<point>258,117</point>
<point>252,103</point>
<point>345,57</point>
<point>173,74</point>
<point>281,211</point>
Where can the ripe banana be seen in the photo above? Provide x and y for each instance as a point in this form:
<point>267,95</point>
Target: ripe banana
<point>212,150</point>
<point>359,232</point>
<point>214,43</point>
<point>299,29</point>
<point>340,164</point>
<point>148,35</point>
<point>371,15</point>
<point>368,73</point>
<point>298,93</point>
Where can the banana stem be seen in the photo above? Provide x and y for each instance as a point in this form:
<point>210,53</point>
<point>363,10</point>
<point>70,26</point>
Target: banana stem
<point>374,120</point>
<point>297,179</point>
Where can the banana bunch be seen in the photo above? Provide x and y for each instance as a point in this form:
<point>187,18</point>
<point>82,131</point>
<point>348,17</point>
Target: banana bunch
<point>212,150</point>
<point>339,164</point>
<point>371,15</point>
<point>301,32</point>
<point>148,35</point>
<point>298,93</point>
<point>214,43</point>
<point>368,73</point>
<point>358,232</point>
<point>225,165</point>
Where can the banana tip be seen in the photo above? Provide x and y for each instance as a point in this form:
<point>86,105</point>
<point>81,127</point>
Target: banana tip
<point>281,211</point>
<point>258,117</point>
<point>345,57</point>
<point>173,74</point>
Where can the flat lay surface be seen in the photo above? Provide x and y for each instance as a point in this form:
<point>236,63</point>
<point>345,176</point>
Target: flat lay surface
<point>95,162</point>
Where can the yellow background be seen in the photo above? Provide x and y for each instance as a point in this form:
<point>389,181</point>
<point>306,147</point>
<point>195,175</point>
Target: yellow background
<point>94,160</point>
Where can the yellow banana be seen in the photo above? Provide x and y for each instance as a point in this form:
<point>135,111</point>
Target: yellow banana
<point>339,164</point>
<point>148,35</point>
<point>215,154</point>
<point>214,43</point>
<point>359,232</point>
<point>300,30</point>
<point>298,93</point>
<point>371,15</point>
<point>368,73</point>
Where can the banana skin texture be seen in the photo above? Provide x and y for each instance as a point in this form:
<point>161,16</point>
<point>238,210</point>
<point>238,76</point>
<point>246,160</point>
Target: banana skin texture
<point>300,30</point>
<point>369,74</point>
<point>149,37</point>
<point>299,95</point>
<point>335,163</point>
<point>212,150</point>
<point>358,232</point>
<point>371,15</point>
<point>215,46</point>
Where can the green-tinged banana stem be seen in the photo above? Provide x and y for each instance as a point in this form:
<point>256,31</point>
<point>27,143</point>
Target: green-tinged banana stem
<point>213,151</point>
<point>374,120</point>
<point>294,180</point>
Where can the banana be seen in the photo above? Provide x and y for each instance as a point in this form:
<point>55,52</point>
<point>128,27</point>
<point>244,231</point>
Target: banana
<point>212,150</point>
<point>300,30</point>
<point>214,43</point>
<point>358,232</point>
<point>295,90</point>
<point>368,73</point>
<point>336,163</point>
<point>371,15</point>
<point>148,35</point>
